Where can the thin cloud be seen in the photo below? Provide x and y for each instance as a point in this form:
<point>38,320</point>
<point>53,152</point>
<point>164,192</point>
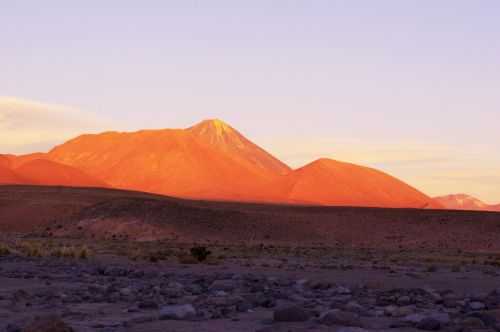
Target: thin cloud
<point>27,126</point>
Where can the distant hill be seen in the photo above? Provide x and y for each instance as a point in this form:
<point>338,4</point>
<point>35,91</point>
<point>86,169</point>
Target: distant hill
<point>43,172</point>
<point>465,202</point>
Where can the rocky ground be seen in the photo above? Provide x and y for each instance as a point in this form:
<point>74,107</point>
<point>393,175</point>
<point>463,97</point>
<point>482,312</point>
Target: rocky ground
<point>279,292</point>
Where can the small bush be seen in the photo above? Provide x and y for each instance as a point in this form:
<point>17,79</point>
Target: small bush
<point>31,249</point>
<point>71,252</point>
<point>4,250</point>
<point>200,253</point>
<point>84,253</point>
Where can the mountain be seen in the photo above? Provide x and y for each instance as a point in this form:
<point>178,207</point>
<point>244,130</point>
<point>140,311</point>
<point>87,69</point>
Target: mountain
<point>330,182</point>
<point>49,173</point>
<point>8,176</point>
<point>225,138</point>
<point>210,160</point>
<point>465,202</point>
<point>38,170</point>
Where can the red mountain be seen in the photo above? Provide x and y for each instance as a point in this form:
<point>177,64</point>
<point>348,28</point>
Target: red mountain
<point>330,182</point>
<point>212,160</point>
<point>49,173</point>
<point>465,202</point>
<point>225,138</point>
<point>8,176</point>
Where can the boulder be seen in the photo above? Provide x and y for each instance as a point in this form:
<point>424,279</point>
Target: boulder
<point>177,312</point>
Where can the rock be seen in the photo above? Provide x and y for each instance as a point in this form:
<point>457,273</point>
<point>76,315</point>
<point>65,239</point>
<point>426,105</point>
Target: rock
<point>443,318</point>
<point>12,328</point>
<point>405,311</point>
<point>48,324</point>
<point>342,290</point>
<point>126,291</point>
<point>476,305</point>
<point>351,329</point>
<point>148,305</point>
<point>414,318</point>
<point>244,307</point>
<point>472,323</point>
<point>354,306</point>
<point>488,318</point>
<point>339,317</point>
<point>429,324</point>
<point>223,285</point>
<point>378,323</point>
<point>177,312</point>
<point>391,310</point>
<point>404,300</point>
<point>291,314</point>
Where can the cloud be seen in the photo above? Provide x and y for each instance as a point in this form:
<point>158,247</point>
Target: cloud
<point>27,126</point>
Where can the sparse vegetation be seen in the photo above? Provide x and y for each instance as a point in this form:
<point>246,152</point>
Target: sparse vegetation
<point>4,250</point>
<point>31,249</point>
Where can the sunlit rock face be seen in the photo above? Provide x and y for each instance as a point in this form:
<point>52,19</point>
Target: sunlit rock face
<point>331,182</point>
<point>210,160</point>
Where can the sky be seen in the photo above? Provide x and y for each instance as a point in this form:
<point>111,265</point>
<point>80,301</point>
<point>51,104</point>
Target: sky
<point>409,87</point>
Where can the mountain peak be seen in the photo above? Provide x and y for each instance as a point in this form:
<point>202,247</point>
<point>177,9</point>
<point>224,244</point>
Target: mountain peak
<point>216,131</point>
<point>214,126</point>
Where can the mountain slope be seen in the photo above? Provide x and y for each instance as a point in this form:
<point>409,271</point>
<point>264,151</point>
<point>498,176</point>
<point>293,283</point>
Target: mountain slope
<point>225,138</point>
<point>213,161</point>
<point>46,172</point>
<point>170,162</point>
<point>331,182</point>
<point>8,176</point>
<point>465,202</point>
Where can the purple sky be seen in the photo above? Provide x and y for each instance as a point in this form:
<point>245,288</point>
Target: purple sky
<point>410,87</point>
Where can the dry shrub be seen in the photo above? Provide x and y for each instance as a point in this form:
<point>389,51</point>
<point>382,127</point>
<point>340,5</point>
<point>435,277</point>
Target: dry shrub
<point>31,249</point>
<point>71,252</point>
<point>5,250</point>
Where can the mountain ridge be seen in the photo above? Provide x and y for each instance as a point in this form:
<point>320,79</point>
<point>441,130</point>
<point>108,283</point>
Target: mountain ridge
<point>212,160</point>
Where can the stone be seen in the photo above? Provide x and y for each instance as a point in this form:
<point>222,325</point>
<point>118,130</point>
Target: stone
<point>351,329</point>
<point>177,312</point>
<point>391,310</point>
<point>48,324</point>
<point>472,322</point>
<point>12,328</point>
<point>147,305</point>
<point>126,291</point>
<point>488,318</point>
<point>414,318</point>
<point>429,324</point>
<point>339,317</point>
<point>342,290</point>
<point>223,285</point>
<point>354,306</point>
<point>404,300</point>
<point>476,305</point>
<point>291,314</point>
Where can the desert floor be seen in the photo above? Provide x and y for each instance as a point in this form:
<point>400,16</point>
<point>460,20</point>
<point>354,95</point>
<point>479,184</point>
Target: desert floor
<point>124,286</point>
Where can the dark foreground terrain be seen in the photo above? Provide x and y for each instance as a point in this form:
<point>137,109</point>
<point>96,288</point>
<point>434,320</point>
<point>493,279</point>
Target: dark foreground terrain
<point>247,289</point>
<point>106,260</point>
<point>113,214</point>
